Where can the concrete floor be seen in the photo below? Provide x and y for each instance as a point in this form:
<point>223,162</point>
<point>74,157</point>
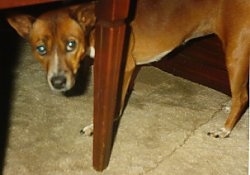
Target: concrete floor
<point>163,130</point>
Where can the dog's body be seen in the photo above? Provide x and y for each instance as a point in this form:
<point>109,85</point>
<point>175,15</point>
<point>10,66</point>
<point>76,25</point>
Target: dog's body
<point>158,27</point>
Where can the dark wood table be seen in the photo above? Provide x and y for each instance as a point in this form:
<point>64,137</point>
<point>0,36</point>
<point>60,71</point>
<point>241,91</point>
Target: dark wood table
<point>110,32</point>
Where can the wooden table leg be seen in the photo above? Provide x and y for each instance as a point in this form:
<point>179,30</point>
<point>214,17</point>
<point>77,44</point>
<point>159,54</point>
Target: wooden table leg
<point>110,32</point>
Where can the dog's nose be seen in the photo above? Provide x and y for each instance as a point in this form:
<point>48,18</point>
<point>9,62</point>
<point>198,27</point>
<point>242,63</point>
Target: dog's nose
<point>58,82</point>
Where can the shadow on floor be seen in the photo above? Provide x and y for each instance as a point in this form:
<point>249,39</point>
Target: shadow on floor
<point>8,60</point>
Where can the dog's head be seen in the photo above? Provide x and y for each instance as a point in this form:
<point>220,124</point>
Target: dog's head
<point>59,40</point>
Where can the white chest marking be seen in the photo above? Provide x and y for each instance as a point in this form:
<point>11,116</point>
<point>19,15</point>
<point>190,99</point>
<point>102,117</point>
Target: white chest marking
<point>91,52</point>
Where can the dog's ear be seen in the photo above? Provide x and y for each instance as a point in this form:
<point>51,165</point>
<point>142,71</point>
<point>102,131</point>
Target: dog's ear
<point>84,14</point>
<point>21,23</point>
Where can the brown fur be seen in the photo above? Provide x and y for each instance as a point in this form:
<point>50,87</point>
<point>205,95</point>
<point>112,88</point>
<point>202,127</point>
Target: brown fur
<point>54,30</point>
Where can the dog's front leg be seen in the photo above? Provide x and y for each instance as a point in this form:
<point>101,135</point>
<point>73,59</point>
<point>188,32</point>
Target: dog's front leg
<point>128,74</point>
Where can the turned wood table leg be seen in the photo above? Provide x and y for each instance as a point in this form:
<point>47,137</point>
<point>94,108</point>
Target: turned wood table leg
<point>110,32</point>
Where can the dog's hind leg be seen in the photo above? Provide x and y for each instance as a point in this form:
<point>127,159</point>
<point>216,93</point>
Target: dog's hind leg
<point>237,61</point>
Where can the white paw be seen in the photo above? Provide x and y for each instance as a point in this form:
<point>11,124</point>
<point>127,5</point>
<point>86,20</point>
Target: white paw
<point>87,130</point>
<point>220,133</point>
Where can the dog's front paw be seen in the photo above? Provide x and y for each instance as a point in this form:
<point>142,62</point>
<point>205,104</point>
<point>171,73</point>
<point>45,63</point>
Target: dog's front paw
<point>220,133</point>
<point>87,130</point>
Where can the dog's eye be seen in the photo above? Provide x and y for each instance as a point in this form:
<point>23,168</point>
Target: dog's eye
<point>41,49</point>
<point>70,46</point>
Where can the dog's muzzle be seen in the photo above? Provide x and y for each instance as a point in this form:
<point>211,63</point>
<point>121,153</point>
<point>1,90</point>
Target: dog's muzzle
<point>59,82</point>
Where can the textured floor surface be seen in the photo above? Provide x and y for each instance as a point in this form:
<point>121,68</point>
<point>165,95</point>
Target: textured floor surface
<point>163,129</point>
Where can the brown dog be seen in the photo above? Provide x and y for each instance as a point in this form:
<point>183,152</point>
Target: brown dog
<point>159,26</point>
<point>60,39</point>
